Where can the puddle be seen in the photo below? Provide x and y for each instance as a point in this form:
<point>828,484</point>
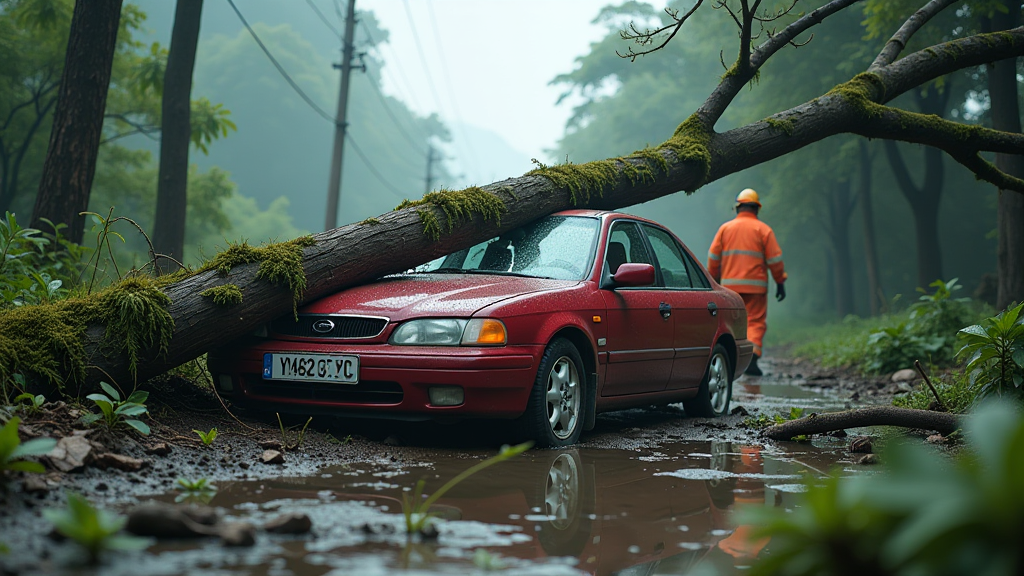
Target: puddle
<point>550,512</point>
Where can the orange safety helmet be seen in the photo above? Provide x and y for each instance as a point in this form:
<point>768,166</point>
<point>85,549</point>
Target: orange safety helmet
<point>748,196</point>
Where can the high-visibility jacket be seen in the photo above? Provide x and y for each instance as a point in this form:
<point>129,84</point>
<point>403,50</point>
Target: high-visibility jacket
<point>741,254</point>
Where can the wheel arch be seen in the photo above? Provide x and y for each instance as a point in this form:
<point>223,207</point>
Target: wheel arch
<point>588,353</point>
<point>729,343</point>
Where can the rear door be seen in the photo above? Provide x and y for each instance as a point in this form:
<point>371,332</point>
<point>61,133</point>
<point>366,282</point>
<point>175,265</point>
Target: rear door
<point>639,345</point>
<point>695,320</point>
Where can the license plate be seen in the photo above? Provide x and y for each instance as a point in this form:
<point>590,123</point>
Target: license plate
<point>317,367</point>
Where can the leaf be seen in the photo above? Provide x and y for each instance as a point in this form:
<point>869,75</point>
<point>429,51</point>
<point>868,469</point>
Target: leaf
<point>127,409</point>
<point>138,397</point>
<point>111,391</point>
<point>25,466</point>
<point>139,425</point>
<point>34,447</point>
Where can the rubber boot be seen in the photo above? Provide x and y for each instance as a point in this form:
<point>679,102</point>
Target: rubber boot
<point>752,369</point>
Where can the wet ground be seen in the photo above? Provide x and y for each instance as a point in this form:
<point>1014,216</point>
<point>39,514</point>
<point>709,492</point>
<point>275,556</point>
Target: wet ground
<point>647,492</point>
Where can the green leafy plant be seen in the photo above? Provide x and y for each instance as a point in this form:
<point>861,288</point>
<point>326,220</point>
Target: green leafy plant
<point>207,437</point>
<point>764,421</point>
<point>93,529</point>
<point>956,390</point>
<point>925,514</point>
<point>201,490</point>
<point>29,272</point>
<point>114,412</point>
<point>12,449</point>
<point>417,508</point>
<point>994,351</point>
<point>29,403</point>
<point>285,442</point>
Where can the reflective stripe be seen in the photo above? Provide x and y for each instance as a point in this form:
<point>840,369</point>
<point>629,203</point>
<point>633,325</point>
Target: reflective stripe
<point>743,253</point>
<point>714,256</point>
<point>743,282</point>
<point>775,260</point>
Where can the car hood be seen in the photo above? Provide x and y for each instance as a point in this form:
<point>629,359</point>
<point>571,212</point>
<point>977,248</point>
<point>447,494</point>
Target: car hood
<point>457,295</point>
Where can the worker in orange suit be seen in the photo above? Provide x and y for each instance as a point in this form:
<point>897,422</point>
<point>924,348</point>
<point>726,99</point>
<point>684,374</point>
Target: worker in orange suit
<point>743,251</point>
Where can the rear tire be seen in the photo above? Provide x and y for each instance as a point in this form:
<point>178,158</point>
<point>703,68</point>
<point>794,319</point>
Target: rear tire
<point>715,393</point>
<point>555,410</point>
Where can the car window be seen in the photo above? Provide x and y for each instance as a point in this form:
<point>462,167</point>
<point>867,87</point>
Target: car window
<point>670,258</point>
<point>559,247</point>
<point>697,277</point>
<point>625,245</point>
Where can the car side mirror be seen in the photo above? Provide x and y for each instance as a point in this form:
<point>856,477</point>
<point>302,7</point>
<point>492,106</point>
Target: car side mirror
<point>631,275</point>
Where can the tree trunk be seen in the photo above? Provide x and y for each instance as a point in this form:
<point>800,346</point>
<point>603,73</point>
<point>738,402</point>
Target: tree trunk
<point>175,130</point>
<point>78,119</point>
<point>943,422</point>
<point>1002,89</point>
<point>876,295</point>
<point>358,253</point>
<point>840,210</point>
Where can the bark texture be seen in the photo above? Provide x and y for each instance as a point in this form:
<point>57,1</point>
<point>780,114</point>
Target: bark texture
<point>942,422</point>
<point>1002,89</point>
<point>176,131</point>
<point>78,118</point>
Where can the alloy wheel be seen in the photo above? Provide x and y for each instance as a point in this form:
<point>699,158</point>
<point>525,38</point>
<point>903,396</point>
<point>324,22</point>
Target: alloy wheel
<point>563,397</point>
<point>561,491</point>
<point>718,383</point>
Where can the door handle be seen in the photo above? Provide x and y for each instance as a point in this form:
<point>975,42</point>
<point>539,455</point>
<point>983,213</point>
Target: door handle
<point>713,308</point>
<point>665,310</point>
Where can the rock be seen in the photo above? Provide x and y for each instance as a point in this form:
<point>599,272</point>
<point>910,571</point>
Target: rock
<point>905,375</point>
<point>237,534</point>
<point>739,411</point>
<point>34,484</point>
<point>102,487</point>
<point>166,521</point>
<point>271,445</point>
<point>119,461</point>
<point>868,459</point>
<point>429,531</point>
<point>837,434</point>
<point>392,440</point>
<point>158,449</point>
<point>376,529</point>
<point>936,439</point>
<point>243,465</point>
<point>861,445</point>
<point>291,523</point>
<point>272,457</point>
<point>71,453</point>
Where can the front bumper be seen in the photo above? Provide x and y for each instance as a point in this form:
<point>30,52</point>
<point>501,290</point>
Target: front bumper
<point>393,380</point>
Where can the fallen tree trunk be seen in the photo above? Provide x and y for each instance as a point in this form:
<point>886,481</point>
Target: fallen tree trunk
<point>204,317</point>
<point>942,422</point>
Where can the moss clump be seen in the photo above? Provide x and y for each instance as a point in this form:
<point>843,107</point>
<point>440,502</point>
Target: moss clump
<point>691,142</point>
<point>280,263</point>
<point>226,295</point>
<point>458,206</point>
<point>583,181</point>
<point>860,91</point>
<point>47,340</point>
<point>370,222</point>
<point>784,126</point>
<point>135,314</point>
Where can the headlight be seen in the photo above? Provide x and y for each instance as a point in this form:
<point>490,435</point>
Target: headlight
<point>450,332</point>
<point>429,332</point>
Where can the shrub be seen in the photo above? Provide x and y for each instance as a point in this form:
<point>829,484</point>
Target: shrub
<point>114,411</point>
<point>994,351</point>
<point>956,390</point>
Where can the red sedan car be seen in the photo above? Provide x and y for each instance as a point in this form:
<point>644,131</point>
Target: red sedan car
<point>578,313</point>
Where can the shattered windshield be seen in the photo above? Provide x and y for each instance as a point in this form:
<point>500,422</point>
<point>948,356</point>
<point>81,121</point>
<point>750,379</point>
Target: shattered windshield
<point>556,247</point>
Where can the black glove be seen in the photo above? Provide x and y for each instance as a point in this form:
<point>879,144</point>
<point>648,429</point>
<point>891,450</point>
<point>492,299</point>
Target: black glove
<point>780,292</point>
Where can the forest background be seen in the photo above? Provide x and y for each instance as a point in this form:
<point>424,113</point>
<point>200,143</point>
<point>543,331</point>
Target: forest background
<point>264,170</point>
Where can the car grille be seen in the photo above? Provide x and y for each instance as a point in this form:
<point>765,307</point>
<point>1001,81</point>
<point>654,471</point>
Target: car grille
<point>343,326</point>
<point>366,392</point>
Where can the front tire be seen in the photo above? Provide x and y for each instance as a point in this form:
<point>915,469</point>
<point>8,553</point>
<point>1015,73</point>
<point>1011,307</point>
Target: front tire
<point>715,393</point>
<point>554,412</point>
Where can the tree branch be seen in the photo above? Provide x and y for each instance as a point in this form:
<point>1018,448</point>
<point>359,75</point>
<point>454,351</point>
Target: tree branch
<point>943,422</point>
<point>899,40</point>
<point>647,37</point>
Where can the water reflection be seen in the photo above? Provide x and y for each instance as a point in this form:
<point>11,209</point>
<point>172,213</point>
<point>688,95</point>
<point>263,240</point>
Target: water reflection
<point>559,511</point>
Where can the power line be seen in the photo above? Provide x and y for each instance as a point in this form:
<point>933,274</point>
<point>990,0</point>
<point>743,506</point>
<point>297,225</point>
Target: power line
<point>404,86</point>
<point>423,58</point>
<point>373,169</point>
<point>323,18</point>
<point>394,119</point>
<point>280,68</point>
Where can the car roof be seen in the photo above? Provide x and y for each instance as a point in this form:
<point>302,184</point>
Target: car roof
<point>604,214</point>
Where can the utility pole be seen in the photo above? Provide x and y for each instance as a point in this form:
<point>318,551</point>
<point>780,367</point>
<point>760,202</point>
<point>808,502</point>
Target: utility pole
<point>430,167</point>
<point>334,185</point>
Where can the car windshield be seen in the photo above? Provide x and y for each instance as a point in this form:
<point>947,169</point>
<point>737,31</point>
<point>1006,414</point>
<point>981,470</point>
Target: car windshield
<point>557,247</point>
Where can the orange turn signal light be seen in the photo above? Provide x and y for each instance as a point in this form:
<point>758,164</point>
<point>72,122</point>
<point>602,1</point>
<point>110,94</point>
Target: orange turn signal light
<point>485,332</point>
<point>597,319</point>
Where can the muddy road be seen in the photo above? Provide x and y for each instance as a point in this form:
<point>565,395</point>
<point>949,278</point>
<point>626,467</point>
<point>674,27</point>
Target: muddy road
<point>647,492</point>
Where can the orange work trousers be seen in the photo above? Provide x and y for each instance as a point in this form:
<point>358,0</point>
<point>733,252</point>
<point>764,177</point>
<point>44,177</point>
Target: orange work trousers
<point>757,312</point>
